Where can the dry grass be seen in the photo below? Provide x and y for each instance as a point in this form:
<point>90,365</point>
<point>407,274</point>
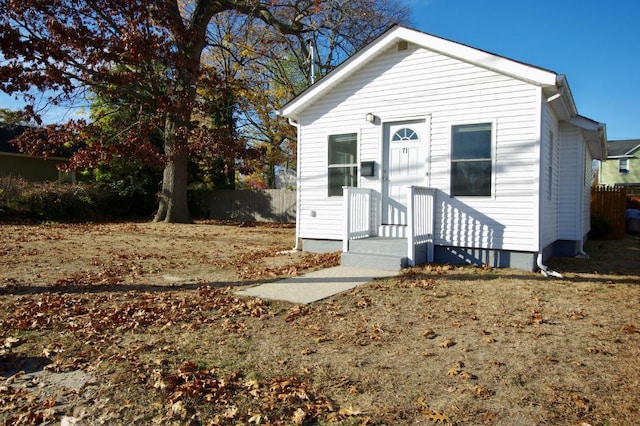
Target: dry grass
<point>144,310</point>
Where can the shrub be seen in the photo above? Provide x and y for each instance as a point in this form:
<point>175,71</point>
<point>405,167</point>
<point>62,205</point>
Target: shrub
<point>600,227</point>
<point>10,188</point>
<point>65,202</point>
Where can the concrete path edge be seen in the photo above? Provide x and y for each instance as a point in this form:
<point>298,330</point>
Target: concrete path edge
<point>317,285</point>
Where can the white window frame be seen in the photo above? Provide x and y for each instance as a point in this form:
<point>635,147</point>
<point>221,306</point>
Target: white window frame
<point>493,123</point>
<point>623,170</point>
<point>342,165</point>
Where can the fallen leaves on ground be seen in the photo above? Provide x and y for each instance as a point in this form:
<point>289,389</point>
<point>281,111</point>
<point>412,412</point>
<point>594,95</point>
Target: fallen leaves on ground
<point>286,400</point>
<point>252,265</point>
<point>22,407</point>
<point>189,351</point>
<point>93,315</point>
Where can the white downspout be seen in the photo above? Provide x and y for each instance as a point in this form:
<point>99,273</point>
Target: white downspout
<point>544,269</point>
<point>298,180</point>
<point>581,253</point>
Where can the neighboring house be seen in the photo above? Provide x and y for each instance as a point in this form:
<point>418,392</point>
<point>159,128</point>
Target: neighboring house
<point>446,153</point>
<point>622,166</point>
<point>16,164</point>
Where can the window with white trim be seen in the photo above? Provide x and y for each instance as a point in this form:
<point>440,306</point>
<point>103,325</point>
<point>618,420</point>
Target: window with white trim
<point>471,162</point>
<point>623,166</point>
<point>343,162</point>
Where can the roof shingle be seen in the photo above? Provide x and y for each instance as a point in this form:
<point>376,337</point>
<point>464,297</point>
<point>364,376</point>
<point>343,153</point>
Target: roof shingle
<point>620,148</point>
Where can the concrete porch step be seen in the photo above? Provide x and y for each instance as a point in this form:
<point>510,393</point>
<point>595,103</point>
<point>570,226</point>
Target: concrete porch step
<point>380,245</point>
<point>383,253</point>
<point>373,261</point>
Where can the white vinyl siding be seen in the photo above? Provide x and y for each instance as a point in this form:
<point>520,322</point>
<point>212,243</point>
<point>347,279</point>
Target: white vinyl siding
<point>550,176</point>
<point>572,191</point>
<point>416,84</point>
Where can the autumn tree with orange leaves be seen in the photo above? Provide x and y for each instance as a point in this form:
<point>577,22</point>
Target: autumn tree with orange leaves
<point>145,59</point>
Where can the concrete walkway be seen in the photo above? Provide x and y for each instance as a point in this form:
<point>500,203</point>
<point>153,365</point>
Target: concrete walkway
<point>317,285</point>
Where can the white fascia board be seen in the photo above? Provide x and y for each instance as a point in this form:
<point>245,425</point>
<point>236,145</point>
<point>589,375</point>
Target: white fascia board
<point>528,73</point>
<point>584,123</point>
<point>595,135</point>
<point>521,71</point>
<point>632,150</point>
<point>567,95</point>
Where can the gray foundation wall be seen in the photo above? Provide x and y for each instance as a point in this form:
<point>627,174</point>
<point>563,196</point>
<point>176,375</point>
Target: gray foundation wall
<point>464,255</point>
<point>495,258</point>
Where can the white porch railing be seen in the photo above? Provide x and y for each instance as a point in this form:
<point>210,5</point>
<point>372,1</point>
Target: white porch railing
<point>358,214</point>
<point>361,220</point>
<point>420,212</point>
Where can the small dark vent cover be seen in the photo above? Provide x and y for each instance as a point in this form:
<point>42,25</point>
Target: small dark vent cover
<point>402,45</point>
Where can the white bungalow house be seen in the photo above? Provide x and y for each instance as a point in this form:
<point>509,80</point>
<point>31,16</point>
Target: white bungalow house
<point>420,149</point>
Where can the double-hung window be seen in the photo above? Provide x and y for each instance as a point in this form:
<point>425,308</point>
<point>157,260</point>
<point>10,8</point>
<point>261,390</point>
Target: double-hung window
<point>343,162</point>
<point>623,166</point>
<point>471,162</point>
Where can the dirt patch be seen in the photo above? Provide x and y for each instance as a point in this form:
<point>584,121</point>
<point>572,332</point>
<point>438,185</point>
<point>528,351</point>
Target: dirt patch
<point>143,317</point>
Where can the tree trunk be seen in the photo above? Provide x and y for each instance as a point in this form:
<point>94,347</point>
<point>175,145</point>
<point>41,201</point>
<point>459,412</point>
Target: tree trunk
<point>173,205</point>
<point>173,202</point>
<point>271,176</point>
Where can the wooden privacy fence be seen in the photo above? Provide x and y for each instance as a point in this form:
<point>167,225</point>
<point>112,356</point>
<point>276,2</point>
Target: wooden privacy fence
<point>608,204</point>
<point>263,205</point>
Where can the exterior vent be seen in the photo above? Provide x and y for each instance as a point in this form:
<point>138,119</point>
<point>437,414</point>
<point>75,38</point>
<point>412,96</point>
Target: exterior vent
<point>402,45</point>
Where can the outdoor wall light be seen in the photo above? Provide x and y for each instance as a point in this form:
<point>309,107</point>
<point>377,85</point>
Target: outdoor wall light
<point>370,118</point>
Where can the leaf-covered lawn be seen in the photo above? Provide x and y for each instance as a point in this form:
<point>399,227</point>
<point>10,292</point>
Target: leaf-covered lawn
<point>168,342</point>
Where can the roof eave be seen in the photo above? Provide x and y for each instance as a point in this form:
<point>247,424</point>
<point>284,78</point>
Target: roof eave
<point>560,98</point>
<point>631,151</point>
<point>595,135</point>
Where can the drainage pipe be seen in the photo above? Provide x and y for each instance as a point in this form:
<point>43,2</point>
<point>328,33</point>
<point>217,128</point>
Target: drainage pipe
<point>544,269</point>
<point>297,126</point>
<point>582,254</point>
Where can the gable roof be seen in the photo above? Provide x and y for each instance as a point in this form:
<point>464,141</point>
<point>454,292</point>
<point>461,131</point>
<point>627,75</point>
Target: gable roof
<point>623,148</point>
<point>554,86</point>
<point>519,70</point>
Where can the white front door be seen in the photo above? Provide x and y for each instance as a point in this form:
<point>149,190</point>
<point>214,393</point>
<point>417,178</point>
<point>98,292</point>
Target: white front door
<point>404,164</point>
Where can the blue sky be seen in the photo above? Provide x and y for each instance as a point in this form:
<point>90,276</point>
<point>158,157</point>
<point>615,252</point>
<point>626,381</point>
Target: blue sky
<point>596,44</point>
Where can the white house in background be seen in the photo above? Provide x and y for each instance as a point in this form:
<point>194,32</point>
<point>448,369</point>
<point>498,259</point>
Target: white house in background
<point>421,149</point>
